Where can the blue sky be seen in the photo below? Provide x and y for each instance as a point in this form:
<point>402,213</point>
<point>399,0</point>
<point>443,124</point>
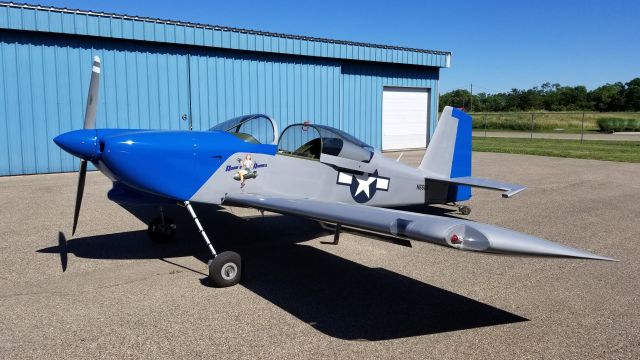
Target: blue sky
<point>496,45</point>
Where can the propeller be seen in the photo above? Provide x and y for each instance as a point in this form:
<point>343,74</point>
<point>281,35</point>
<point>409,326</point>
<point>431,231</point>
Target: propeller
<point>89,123</point>
<point>82,174</point>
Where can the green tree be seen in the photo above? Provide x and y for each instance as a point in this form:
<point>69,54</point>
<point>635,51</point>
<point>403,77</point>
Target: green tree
<point>531,99</point>
<point>551,97</point>
<point>573,98</point>
<point>457,98</point>
<point>632,95</point>
<point>608,97</point>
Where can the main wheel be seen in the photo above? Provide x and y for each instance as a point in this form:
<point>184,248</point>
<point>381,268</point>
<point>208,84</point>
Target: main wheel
<point>225,269</point>
<point>161,231</point>
<point>465,210</point>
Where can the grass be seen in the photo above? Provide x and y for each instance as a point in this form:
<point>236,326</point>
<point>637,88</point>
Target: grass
<point>544,121</point>
<point>624,151</point>
<point>610,123</point>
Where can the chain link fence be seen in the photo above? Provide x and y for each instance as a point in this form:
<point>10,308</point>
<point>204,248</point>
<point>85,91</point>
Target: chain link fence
<point>622,126</point>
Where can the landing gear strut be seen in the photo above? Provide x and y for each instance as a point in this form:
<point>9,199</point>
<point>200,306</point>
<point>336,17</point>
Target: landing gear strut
<point>161,229</point>
<point>336,232</point>
<point>225,269</point>
<point>336,235</point>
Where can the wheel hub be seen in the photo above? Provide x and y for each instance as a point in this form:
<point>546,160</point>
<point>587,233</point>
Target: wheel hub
<point>164,228</point>
<point>229,271</point>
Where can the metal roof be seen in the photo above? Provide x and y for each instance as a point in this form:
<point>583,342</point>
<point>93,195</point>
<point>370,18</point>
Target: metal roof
<point>80,22</point>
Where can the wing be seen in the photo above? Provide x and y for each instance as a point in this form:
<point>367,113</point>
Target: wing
<point>453,232</point>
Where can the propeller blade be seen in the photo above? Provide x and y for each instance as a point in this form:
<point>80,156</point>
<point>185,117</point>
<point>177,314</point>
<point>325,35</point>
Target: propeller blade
<point>82,174</point>
<point>92,98</point>
<point>89,123</point>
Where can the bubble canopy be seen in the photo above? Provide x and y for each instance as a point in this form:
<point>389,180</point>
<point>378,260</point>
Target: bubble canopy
<point>311,141</point>
<point>302,140</point>
<point>254,128</point>
<point>337,133</point>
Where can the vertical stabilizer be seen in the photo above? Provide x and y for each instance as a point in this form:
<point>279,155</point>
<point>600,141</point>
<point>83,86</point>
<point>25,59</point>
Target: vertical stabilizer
<point>449,152</point>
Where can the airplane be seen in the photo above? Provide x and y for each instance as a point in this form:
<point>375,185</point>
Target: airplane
<point>309,170</point>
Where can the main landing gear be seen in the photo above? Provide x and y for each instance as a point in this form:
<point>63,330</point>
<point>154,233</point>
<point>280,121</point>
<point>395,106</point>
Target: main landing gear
<point>161,229</point>
<point>225,269</point>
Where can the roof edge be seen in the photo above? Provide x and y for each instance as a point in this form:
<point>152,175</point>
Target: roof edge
<point>222,28</point>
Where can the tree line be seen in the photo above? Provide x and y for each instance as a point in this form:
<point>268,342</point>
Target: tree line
<point>550,97</point>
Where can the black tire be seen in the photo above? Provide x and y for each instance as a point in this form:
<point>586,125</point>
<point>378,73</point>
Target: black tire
<point>160,232</point>
<point>225,269</point>
<point>465,210</point>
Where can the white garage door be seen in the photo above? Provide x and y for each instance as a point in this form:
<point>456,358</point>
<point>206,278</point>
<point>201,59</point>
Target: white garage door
<point>405,114</point>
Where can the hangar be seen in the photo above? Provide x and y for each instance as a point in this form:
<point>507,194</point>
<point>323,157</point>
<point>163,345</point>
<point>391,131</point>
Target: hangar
<point>166,74</point>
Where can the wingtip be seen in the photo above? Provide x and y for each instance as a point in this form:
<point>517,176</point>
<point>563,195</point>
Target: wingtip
<point>508,241</point>
<point>514,191</point>
<point>605,258</point>
<point>581,254</point>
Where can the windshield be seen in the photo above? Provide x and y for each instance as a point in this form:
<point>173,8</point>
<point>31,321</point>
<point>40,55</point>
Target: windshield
<point>255,128</point>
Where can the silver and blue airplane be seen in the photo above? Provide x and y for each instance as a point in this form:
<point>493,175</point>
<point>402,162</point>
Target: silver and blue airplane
<point>312,171</point>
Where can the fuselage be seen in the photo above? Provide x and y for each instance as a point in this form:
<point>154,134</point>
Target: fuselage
<point>204,166</point>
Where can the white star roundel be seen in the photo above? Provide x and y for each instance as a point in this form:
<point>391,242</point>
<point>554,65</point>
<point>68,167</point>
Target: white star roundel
<point>363,187</point>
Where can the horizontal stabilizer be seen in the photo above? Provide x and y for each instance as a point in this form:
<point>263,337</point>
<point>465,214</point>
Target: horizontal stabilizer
<point>509,189</point>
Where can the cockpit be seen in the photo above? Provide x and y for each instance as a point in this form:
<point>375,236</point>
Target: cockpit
<point>307,141</point>
<point>311,141</point>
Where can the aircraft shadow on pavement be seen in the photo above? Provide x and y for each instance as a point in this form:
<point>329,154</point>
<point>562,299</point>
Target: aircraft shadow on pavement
<point>229,232</point>
<point>350,301</point>
<point>337,297</point>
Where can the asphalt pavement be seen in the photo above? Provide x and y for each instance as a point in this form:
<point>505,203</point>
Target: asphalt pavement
<point>109,292</point>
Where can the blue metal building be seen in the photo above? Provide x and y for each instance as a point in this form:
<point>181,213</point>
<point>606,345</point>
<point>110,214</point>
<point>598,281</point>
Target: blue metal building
<point>175,75</point>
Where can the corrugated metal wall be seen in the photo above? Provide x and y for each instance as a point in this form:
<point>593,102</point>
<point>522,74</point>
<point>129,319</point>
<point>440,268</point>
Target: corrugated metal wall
<point>44,79</point>
<point>225,84</point>
<point>362,95</point>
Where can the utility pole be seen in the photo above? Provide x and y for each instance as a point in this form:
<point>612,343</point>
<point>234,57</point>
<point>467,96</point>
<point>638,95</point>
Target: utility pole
<point>471,98</point>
